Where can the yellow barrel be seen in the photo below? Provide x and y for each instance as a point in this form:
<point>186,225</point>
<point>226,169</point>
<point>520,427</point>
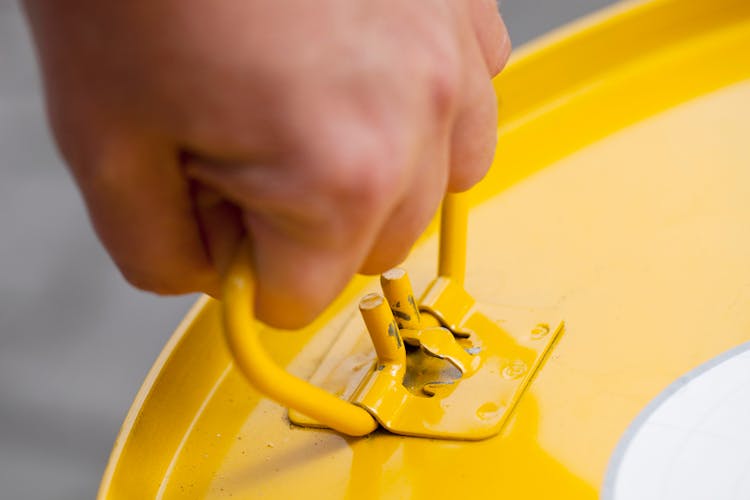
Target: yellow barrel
<point>618,202</point>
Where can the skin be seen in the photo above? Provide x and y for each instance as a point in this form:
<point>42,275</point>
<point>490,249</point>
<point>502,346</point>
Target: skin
<point>326,131</point>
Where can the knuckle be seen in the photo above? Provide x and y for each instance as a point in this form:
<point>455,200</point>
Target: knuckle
<point>444,85</point>
<point>444,80</point>
<point>365,171</point>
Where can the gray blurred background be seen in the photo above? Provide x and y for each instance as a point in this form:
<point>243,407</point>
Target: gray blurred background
<point>75,340</point>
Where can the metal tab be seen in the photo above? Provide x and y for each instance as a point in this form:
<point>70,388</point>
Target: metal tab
<point>457,375</point>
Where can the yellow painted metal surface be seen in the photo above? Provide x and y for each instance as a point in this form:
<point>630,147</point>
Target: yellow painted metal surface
<point>619,201</point>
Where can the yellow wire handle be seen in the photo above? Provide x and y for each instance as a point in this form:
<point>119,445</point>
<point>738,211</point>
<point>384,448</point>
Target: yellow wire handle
<point>264,374</point>
<point>454,221</point>
<point>274,382</point>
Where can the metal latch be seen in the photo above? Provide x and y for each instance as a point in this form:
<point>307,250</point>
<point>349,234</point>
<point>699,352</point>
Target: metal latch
<point>441,367</point>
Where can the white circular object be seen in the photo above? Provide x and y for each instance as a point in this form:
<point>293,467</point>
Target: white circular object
<point>692,441</point>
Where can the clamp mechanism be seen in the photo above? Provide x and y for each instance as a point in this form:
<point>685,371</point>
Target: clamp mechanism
<point>440,367</point>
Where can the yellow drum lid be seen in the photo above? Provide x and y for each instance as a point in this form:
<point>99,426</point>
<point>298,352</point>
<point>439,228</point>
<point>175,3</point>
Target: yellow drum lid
<point>619,199</point>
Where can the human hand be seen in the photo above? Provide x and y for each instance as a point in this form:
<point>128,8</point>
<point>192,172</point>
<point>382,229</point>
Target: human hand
<point>328,130</point>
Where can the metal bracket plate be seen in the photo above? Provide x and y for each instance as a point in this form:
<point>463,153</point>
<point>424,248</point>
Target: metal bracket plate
<point>463,372</point>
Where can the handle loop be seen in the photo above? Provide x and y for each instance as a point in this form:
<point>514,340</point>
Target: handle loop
<point>268,378</point>
<point>263,373</point>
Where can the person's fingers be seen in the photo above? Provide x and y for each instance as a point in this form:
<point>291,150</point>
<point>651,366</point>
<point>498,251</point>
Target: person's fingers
<point>407,222</point>
<point>474,134</point>
<point>418,205</point>
<point>221,226</point>
<point>140,205</point>
<point>491,33</point>
<point>296,281</point>
<point>308,236</point>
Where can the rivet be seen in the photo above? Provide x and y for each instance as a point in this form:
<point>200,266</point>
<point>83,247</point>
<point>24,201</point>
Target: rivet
<point>514,369</point>
<point>540,331</point>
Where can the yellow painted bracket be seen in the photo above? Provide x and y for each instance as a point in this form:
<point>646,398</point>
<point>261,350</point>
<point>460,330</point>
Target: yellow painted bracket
<point>440,368</point>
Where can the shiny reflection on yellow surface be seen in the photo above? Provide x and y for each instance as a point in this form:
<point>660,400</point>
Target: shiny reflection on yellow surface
<point>296,463</point>
<point>392,467</point>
